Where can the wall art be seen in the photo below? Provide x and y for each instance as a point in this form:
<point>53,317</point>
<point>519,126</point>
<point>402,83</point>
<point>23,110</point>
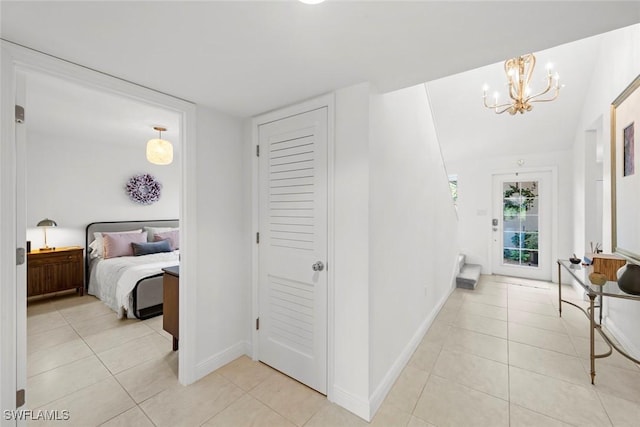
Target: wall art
<point>143,189</point>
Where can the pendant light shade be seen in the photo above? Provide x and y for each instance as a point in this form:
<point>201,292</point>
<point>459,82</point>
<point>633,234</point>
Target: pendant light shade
<point>159,151</point>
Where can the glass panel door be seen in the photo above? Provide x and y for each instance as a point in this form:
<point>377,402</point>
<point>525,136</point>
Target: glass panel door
<point>520,223</point>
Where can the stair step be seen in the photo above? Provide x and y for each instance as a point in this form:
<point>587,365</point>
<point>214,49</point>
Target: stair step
<point>468,276</point>
<point>461,261</point>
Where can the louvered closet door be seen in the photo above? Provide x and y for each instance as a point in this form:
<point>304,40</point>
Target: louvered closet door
<point>293,237</point>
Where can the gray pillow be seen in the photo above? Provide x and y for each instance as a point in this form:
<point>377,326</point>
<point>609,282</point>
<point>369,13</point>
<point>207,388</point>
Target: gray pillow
<point>151,247</point>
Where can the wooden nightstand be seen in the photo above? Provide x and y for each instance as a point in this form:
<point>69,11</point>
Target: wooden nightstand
<point>170,304</point>
<point>55,270</point>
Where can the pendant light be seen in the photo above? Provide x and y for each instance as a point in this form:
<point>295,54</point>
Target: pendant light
<point>159,151</point>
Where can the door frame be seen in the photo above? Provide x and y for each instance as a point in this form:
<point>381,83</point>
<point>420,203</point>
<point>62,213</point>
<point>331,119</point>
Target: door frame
<point>17,59</point>
<point>8,240</point>
<point>554,212</point>
<point>327,101</point>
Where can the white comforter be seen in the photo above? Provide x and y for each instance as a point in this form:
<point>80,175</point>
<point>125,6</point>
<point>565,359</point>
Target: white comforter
<point>113,279</point>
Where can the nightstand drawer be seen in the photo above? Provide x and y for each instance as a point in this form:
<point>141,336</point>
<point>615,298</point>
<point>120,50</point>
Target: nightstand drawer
<point>55,258</point>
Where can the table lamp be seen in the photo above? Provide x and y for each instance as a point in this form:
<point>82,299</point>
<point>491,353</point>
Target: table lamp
<point>45,223</point>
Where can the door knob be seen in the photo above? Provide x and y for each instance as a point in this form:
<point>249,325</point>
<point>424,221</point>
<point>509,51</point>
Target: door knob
<point>318,266</point>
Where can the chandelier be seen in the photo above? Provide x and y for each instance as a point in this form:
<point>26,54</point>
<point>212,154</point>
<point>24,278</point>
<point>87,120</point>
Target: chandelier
<point>519,71</point>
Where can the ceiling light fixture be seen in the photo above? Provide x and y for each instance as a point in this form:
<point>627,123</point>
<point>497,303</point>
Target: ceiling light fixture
<point>311,1</point>
<point>519,71</point>
<point>159,151</point>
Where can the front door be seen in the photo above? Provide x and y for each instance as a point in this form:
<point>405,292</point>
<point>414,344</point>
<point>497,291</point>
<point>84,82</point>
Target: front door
<point>292,288</point>
<point>521,225</point>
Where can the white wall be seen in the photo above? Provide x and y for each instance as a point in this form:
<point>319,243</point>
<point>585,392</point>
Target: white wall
<point>617,65</point>
<point>475,202</point>
<point>351,249</point>
<point>223,257</point>
<point>76,182</point>
<point>394,239</point>
<point>413,231</point>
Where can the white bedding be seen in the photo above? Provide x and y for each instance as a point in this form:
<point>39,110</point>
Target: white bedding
<point>113,279</point>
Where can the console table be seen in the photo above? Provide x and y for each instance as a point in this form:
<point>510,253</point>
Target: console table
<point>609,290</point>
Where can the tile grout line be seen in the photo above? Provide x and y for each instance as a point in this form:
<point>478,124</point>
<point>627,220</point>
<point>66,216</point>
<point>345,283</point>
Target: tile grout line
<point>94,354</point>
<point>105,367</point>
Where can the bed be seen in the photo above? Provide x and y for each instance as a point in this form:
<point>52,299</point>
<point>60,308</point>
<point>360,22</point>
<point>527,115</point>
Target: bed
<point>130,285</point>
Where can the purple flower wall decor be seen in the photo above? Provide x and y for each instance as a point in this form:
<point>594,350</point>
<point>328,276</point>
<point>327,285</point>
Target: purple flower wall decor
<point>143,189</point>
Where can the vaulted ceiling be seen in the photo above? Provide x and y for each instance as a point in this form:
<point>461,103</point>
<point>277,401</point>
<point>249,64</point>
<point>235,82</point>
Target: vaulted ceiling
<point>466,129</point>
<point>245,58</point>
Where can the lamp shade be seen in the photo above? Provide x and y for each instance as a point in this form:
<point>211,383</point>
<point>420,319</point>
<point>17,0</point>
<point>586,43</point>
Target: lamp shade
<point>47,223</point>
<point>159,151</point>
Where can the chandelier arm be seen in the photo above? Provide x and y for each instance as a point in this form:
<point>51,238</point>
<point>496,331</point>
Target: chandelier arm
<point>547,99</point>
<point>507,108</point>
<point>495,106</point>
<point>547,89</point>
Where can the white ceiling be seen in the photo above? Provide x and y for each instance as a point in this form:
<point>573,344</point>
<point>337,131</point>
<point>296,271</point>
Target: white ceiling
<point>57,107</point>
<point>245,58</point>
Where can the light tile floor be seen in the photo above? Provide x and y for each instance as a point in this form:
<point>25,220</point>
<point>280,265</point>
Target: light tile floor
<point>495,356</point>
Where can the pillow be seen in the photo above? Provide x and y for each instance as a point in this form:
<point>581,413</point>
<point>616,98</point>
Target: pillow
<point>119,244</point>
<point>172,236</point>
<point>155,230</point>
<point>97,246</point>
<point>147,248</point>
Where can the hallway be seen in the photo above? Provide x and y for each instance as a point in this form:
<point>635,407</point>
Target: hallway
<point>495,356</point>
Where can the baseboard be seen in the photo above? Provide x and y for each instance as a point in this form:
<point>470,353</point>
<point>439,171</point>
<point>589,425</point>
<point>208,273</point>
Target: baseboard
<point>220,359</point>
<point>626,343</point>
<point>394,372</point>
<point>351,403</point>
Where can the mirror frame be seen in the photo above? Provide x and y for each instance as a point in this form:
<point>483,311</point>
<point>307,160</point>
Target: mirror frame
<point>616,165</point>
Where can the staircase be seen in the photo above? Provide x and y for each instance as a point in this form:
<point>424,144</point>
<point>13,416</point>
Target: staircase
<point>468,274</point>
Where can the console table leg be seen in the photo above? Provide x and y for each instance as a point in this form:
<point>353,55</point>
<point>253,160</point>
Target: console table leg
<point>559,290</point>
<point>592,343</point>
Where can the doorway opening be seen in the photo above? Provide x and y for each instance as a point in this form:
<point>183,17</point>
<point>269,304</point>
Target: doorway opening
<point>17,64</point>
<point>81,145</point>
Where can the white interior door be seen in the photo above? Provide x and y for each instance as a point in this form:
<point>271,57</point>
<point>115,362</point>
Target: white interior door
<point>521,225</point>
<point>292,293</point>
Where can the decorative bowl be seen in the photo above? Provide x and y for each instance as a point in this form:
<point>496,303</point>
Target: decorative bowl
<point>598,279</point>
<point>575,260</point>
